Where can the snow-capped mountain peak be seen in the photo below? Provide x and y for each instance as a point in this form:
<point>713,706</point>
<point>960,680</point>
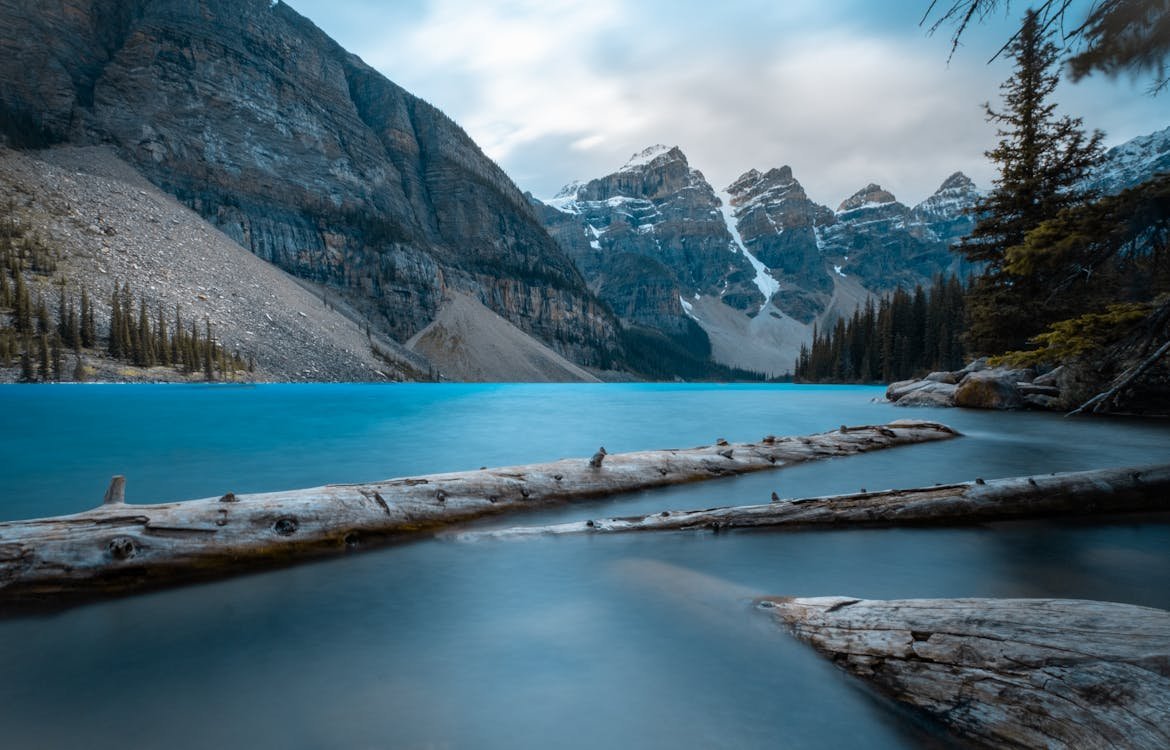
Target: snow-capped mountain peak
<point>870,196</point>
<point>654,153</point>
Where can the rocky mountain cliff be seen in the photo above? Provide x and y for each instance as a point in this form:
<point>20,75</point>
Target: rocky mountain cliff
<point>756,266</point>
<point>252,116</point>
<point>1132,162</point>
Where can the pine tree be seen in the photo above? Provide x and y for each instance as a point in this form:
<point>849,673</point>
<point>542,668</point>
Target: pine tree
<point>88,325</point>
<point>27,373</point>
<point>22,306</point>
<point>58,366</point>
<point>44,367</point>
<point>208,351</point>
<point>115,341</point>
<point>1041,160</point>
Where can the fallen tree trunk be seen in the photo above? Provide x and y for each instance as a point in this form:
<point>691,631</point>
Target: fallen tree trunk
<point>118,547</point>
<point>1043,673</point>
<point>1103,491</point>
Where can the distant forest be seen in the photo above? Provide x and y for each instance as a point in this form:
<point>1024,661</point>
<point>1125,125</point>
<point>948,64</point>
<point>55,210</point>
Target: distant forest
<point>904,335</point>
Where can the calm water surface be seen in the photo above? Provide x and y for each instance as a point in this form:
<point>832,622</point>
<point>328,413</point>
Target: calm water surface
<point>639,641</point>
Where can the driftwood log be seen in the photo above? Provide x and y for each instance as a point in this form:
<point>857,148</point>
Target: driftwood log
<point>1042,673</point>
<point>1082,493</point>
<point>117,547</point>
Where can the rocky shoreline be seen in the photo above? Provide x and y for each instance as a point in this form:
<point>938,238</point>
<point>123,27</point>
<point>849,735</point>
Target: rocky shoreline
<point>980,386</point>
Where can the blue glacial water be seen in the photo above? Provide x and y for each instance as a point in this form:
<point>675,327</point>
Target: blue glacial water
<point>639,641</point>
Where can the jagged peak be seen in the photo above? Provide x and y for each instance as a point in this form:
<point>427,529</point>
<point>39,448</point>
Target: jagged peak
<point>783,174</point>
<point>753,180</point>
<point>870,195</point>
<point>570,190</point>
<point>657,153</point>
<point>957,181</point>
<point>565,200</point>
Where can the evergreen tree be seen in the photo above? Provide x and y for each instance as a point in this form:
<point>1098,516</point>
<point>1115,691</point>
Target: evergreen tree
<point>88,325</point>
<point>22,307</point>
<point>27,373</point>
<point>1041,161</point>
<point>44,323</point>
<point>115,342</point>
<point>58,372</point>
<point>44,367</point>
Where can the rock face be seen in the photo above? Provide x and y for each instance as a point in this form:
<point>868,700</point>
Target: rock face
<point>252,116</point>
<point>1132,162</point>
<point>781,226</point>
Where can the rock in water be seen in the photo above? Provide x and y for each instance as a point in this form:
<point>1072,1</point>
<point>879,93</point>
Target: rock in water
<point>1042,673</point>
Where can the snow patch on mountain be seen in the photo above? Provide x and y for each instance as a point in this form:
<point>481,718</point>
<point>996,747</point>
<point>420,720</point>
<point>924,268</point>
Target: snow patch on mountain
<point>644,157</point>
<point>763,280</point>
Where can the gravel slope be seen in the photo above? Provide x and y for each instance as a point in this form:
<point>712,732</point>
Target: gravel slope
<point>469,342</point>
<point>111,225</point>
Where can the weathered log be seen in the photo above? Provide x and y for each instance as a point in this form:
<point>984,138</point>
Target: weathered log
<point>117,547</point>
<point>1102,491</point>
<point>1043,673</point>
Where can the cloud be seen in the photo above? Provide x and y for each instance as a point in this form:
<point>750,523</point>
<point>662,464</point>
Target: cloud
<point>844,92</point>
<point>528,66</point>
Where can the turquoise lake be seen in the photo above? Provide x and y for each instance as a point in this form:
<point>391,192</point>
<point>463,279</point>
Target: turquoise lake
<point>568,642</point>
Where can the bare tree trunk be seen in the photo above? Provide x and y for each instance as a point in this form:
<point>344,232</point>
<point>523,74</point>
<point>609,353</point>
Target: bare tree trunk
<point>117,547</point>
<point>1104,491</point>
<point>1034,673</point>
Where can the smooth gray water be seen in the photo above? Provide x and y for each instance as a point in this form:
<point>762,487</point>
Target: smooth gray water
<point>573,642</point>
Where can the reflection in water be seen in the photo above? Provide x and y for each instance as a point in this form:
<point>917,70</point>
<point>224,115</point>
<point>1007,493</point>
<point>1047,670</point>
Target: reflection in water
<point>639,641</point>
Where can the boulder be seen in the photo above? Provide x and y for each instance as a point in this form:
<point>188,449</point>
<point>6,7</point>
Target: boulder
<point>896,391</point>
<point>1052,377</point>
<point>976,366</point>
<point>990,389</point>
<point>943,377</point>
<point>929,394</point>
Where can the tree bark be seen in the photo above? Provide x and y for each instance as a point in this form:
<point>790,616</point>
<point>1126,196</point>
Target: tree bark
<point>1042,673</point>
<point>1103,491</point>
<point>118,547</point>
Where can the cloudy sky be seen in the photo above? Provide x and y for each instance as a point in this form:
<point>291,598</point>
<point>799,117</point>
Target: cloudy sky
<point>846,92</point>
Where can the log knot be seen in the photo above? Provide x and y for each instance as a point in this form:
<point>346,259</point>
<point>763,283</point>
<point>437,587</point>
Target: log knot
<point>229,497</point>
<point>286,526</point>
<point>121,548</point>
